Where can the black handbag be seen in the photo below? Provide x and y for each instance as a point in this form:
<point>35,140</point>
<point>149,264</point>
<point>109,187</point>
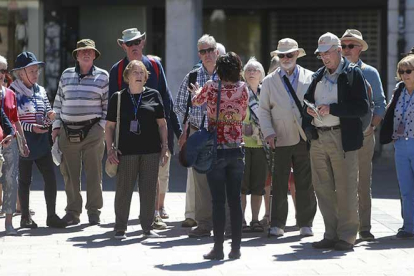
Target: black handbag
<point>387,128</point>
<point>201,146</point>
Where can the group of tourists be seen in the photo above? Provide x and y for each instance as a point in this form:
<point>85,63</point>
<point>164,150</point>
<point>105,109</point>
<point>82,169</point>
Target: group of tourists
<point>312,133</point>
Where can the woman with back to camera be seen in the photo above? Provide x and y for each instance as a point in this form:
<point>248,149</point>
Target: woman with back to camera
<point>143,145</point>
<point>226,176</point>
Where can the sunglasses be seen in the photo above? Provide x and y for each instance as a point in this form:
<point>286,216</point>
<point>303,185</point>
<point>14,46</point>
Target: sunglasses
<point>205,51</point>
<point>3,71</point>
<point>408,71</point>
<point>289,55</point>
<point>133,42</point>
<point>350,46</point>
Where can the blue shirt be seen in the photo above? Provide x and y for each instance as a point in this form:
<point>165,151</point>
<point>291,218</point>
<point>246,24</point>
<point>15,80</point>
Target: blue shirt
<point>372,76</point>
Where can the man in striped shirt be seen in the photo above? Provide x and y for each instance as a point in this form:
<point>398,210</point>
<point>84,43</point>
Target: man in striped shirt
<point>80,105</point>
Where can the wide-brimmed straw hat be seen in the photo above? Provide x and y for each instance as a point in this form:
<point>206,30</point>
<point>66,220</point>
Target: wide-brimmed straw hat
<point>26,59</point>
<point>355,35</point>
<point>129,35</point>
<point>86,44</point>
<point>288,45</point>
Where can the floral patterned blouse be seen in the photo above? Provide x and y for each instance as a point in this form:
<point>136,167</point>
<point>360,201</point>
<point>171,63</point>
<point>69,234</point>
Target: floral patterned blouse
<point>233,105</point>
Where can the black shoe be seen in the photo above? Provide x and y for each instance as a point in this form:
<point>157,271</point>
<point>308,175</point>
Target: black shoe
<point>214,255</point>
<point>28,223</point>
<point>70,219</point>
<point>324,244</point>
<point>235,254</point>
<point>55,222</point>
<point>366,236</point>
<point>343,246</point>
<point>94,219</point>
<point>404,235</point>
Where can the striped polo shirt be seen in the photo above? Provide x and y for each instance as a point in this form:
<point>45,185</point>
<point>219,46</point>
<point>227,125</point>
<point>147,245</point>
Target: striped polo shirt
<point>81,98</point>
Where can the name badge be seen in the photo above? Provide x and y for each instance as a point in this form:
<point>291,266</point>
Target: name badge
<point>401,129</point>
<point>134,126</point>
<point>39,119</point>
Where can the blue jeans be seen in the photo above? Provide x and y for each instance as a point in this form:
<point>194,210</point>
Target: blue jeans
<point>225,179</point>
<point>404,162</point>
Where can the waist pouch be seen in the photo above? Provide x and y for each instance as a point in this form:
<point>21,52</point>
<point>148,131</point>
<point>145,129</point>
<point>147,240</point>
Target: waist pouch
<point>79,134</point>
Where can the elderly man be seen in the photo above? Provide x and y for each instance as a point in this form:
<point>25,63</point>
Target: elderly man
<point>353,45</point>
<point>280,115</point>
<point>339,96</point>
<point>208,53</point>
<point>133,43</point>
<point>80,105</point>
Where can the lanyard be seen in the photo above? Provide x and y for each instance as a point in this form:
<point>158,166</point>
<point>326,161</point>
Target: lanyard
<point>405,106</point>
<point>3,95</point>
<point>331,81</point>
<point>135,103</point>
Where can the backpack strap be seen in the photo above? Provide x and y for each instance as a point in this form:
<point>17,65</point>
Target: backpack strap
<point>120,72</point>
<point>350,77</point>
<point>192,78</point>
<point>155,65</point>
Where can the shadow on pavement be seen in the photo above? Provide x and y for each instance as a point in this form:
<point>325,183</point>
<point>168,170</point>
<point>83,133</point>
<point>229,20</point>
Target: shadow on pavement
<point>191,266</point>
<point>387,242</point>
<point>304,251</point>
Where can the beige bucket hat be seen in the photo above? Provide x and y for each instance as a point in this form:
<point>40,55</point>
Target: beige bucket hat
<point>288,45</point>
<point>355,35</point>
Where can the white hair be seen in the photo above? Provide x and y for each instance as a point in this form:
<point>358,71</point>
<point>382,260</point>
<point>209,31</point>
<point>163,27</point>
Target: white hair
<point>254,63</point>
<point>3,60</point>
<point>207,39</point>
<point>221,49</point>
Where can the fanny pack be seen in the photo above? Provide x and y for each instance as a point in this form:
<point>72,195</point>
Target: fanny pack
<point>79,134</point>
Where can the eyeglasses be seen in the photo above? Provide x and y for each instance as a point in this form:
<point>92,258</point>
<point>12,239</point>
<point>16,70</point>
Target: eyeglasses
<point>288,55</point>
<point>205,51</point>
<point>3,71</point>
<point>350,46</point>
<point>133,42</point>
<point>408,71</point>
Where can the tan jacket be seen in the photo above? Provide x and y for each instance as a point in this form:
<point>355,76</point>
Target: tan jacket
<point>276,115</point>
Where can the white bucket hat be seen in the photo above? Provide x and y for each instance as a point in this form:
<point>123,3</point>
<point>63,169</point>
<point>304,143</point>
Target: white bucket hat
<point>288,45</point>
<point>326,41</point>
<point>355,35</point>
<point>129,35</point>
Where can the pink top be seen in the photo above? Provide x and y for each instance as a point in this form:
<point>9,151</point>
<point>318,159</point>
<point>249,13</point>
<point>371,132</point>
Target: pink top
<point>233,105</point>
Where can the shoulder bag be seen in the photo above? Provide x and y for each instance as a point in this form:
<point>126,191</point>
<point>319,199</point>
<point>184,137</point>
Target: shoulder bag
<point>112,169</point>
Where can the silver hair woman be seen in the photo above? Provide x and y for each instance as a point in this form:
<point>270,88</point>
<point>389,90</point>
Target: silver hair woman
<point>255,170</point>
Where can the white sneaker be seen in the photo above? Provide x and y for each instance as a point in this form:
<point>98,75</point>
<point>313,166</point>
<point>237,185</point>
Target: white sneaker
<point>306,231</point>
<point>276,231</point>
<point>151,234</point>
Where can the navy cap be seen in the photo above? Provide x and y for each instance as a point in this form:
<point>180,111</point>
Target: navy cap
<point>26,59</point>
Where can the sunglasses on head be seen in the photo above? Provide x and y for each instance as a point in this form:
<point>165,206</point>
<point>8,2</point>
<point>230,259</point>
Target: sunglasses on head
<point>408,71</point>
<point>205,51</point>
<point>350,46</point>
<point>133,42</point>
<point>3,71</point>
<point>288,55</point>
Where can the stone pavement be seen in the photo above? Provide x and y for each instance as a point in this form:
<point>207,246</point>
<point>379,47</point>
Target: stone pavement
<point>91,250</point>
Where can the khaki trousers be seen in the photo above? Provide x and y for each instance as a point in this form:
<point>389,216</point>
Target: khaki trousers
<point>334,176</point>
<point>190,196</point>
<point>365,155</point>
<point>88,153</point>
<point>164,175</point>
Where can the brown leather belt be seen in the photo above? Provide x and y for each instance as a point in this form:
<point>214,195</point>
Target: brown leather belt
<point>328,128</point>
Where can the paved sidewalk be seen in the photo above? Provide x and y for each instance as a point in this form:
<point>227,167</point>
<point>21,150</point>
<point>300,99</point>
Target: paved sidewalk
<point>91,250</point>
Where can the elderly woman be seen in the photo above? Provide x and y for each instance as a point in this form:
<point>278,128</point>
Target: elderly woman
<point>226,177</point>
<point>142,147</point>
<point>10,150</point>
<point>36,115</point>
<point>402,106</point>
<point>255,170</point>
